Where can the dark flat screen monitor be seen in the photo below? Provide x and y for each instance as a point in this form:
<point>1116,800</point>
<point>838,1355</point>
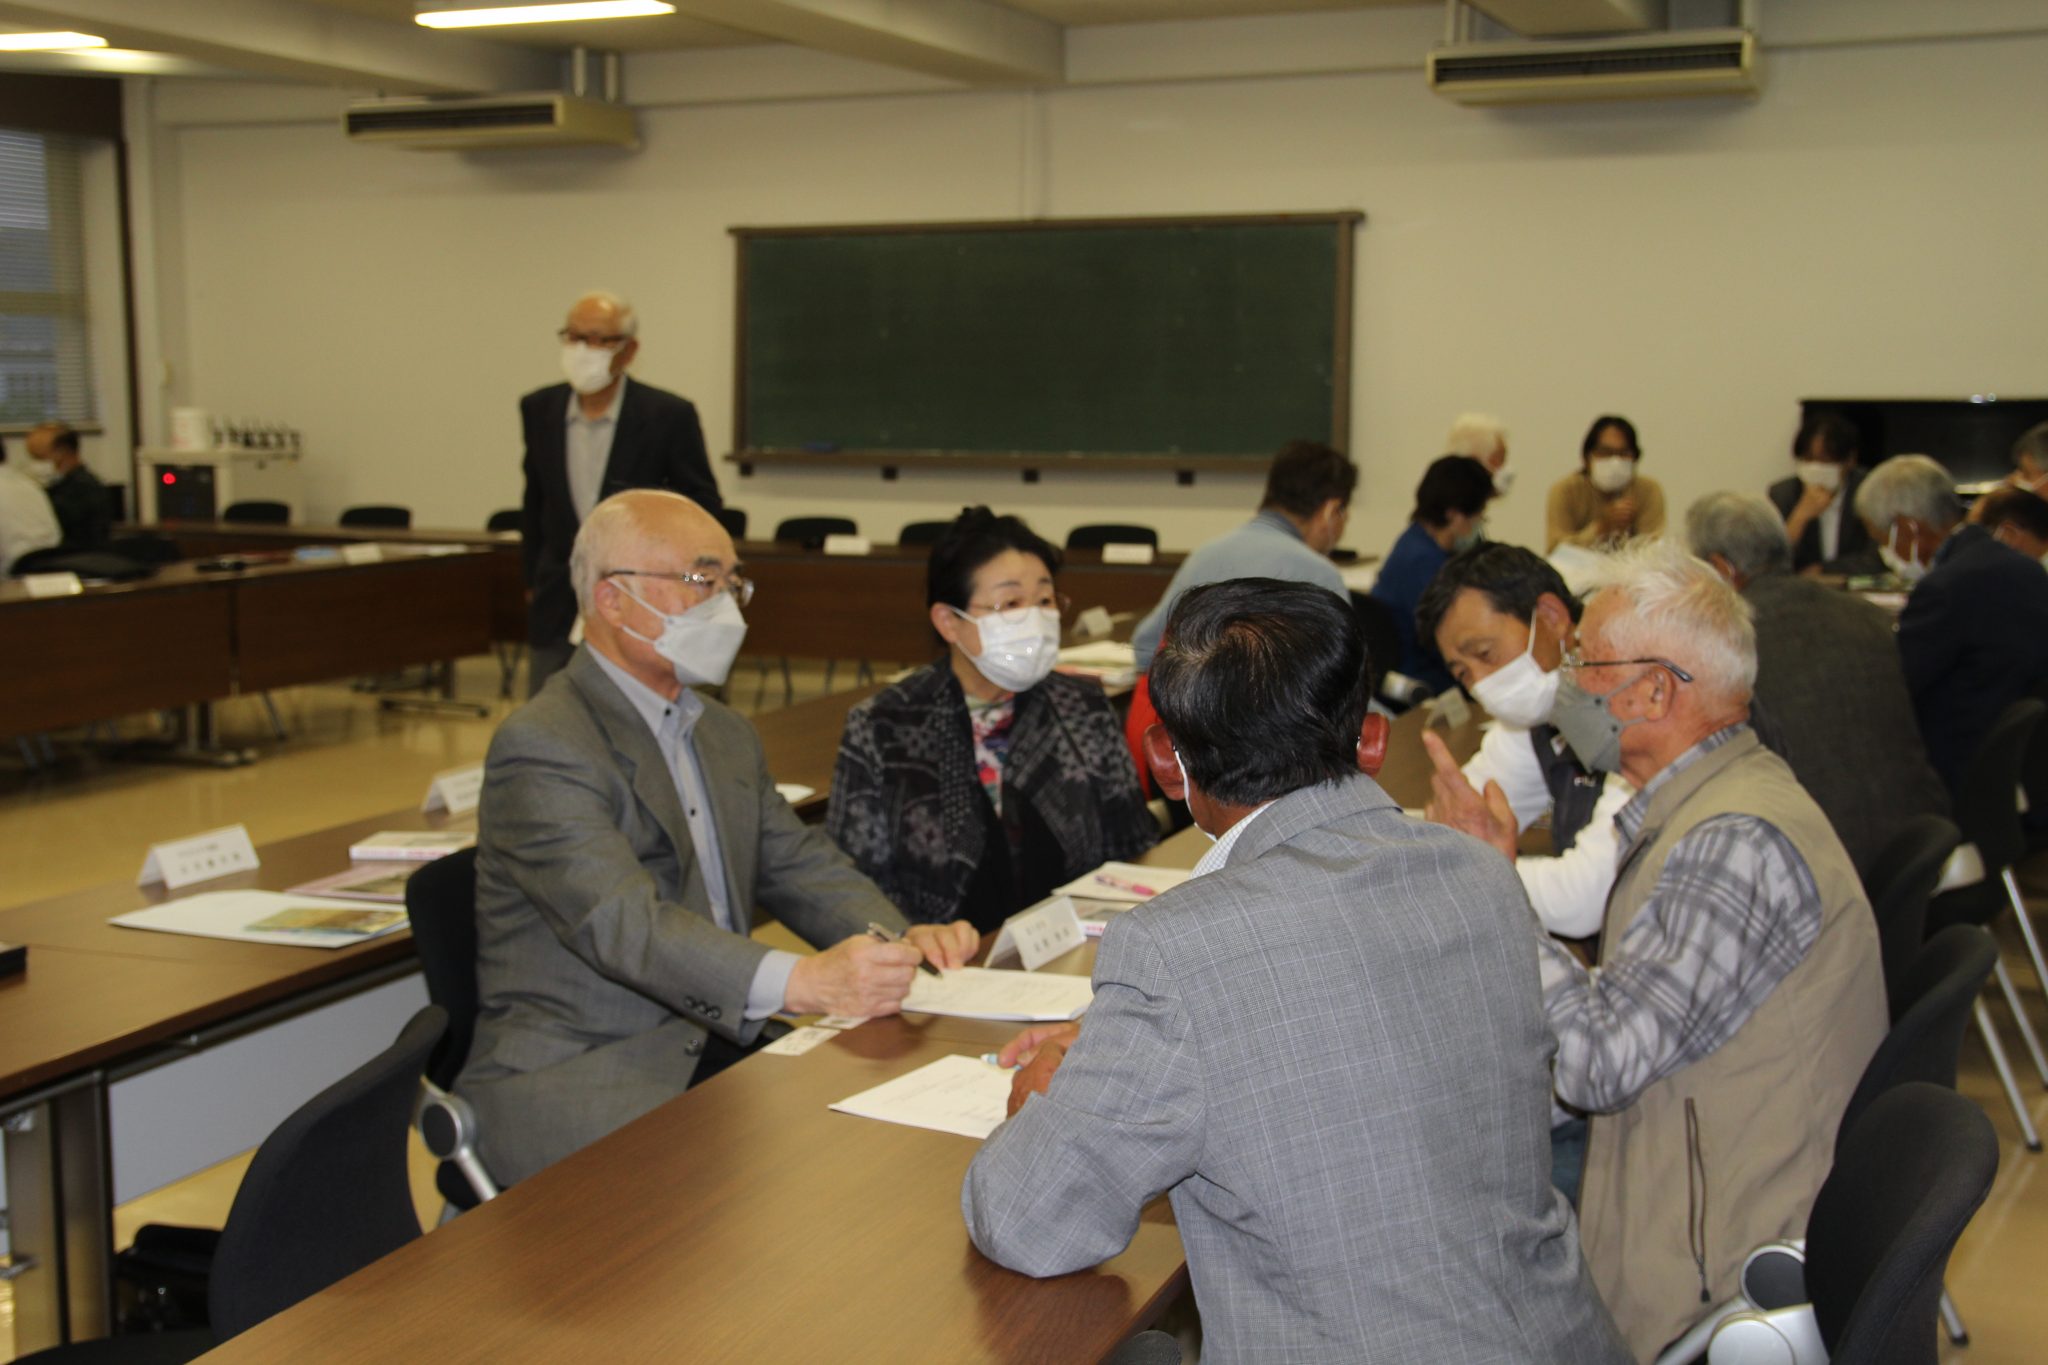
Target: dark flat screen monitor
<point>1973,437</point>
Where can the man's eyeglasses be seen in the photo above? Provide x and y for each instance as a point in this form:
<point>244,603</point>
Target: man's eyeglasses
<point>742,589</point>
<point>604,341</point>
<point>1572,662</point>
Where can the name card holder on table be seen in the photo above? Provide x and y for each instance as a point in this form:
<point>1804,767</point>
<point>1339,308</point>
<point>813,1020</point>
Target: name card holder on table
<point>52,584</point>
<point>1040,934</point>
<point>1124,552</point>
<point>182,862</point>
<point>362,554</point>
<point>847,545</point>
<point>456,791</point>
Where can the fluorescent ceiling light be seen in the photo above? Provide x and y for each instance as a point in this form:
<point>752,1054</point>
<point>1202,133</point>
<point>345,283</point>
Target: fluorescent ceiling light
<point>542,14</point>
<point>48,42</point>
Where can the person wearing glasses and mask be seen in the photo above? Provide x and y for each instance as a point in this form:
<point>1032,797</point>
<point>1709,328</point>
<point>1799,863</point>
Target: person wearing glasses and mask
<point>1739,994</point>
<point>587,438</point>
<point>976,785</point>
<point>628,829</point>
<point>1606,501</point>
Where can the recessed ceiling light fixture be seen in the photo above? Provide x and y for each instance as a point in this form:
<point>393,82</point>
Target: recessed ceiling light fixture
<point>48,42</point>
<point>541,14</point>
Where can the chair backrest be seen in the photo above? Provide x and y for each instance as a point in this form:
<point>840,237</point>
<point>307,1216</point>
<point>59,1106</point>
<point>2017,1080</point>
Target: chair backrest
<point>144,547</point>
<point>734,520</point>
<point>1899,883</point>
<point>1935,1004</point>
<point>505,519</point>
<point>440,899</point>
<point>328,1192</point>
<point>378,514</point>
<point>1907,1177</point>
<point>810,532</point>
<point>923,532</point>
<point>1096,536</point>
<point>1382,636</point>
<point>1987,809</point>
<point>258,510</point>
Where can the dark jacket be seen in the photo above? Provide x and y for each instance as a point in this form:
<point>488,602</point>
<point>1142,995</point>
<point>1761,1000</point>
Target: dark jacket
<point>658,443</point>
<point>1411,566</point>
<point>910,811</point>
<point>1853,551</point>
<point>83,513</point>
<point>1974,640</point>
<point>1827,673</point>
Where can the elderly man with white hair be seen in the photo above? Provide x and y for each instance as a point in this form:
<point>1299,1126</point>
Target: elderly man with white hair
<point>1827,676</point>
<point>1739,992</point>
<point>1481,436</point>
<point>586,438</point>
<point>627,831</point>
<point>1974,633</point>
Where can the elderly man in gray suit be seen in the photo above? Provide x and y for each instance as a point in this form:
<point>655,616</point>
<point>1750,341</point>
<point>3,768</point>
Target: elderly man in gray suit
<point>627,830</point>
<point>1328,1048</point>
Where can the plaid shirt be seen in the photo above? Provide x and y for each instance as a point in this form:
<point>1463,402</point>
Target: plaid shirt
<point>1733,912</point>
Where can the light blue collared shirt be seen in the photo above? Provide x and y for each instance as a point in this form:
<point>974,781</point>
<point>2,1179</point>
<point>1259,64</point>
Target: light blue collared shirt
<point>674,724</point>
<point>589,449</point>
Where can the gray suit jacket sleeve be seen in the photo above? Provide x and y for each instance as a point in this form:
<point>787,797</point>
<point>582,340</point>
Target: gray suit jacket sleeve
<point>1061,1186</point>
<point>556,831</point>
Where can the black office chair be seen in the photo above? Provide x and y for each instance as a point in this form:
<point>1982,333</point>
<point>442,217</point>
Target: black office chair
<point>1382,648</point>
<point>1926,1040</point>
<point>923,532</point>
<point>1901,880</point>
<point>734,520</point>
<point>378,514</point>
<point>1109,533</point>
<point>258,511</point>
<point>505,519</point>
<point>1908,1176</point>
<point>144,547</point>
<point>810,532</point>
<point>102,563</point>
<point>440,900</point>
<point>327,1193</point>
<point>1987,813</point>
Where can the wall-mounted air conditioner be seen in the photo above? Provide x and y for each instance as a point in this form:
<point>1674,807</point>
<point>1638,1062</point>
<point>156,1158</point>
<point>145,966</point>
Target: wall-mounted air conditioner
<point>1718,61</point>
<point>544,119</point>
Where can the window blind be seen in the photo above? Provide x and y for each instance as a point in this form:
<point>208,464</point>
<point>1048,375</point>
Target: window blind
<point>45,344</point>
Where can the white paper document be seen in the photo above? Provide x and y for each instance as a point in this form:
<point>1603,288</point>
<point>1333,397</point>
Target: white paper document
<point>983,993</point>
<point>798,1041</point>
<point>228,914</point>
<point>1124,882</point>
<point>794,792</point>
<point>962,1095</point>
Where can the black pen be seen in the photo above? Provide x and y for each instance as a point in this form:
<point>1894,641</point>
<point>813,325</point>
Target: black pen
<point>878,932</point>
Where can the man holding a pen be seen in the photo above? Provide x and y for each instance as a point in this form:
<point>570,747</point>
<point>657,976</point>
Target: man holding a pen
<point>1328,1047</point>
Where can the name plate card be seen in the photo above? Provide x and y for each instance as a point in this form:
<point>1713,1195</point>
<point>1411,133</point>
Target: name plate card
<point>362,554</point>
<point>52,584</point>
<point>1116,552</point>
<point>216,853</point>
<point>456,791</point>
<point>1040,934</point>
<point>847,545</point>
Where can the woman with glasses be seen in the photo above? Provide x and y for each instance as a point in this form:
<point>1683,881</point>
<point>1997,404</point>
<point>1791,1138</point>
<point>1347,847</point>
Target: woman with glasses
<point>973,787</point>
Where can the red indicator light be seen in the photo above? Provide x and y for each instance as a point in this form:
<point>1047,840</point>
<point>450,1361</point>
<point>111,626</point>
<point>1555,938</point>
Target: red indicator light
<point>169,478</point>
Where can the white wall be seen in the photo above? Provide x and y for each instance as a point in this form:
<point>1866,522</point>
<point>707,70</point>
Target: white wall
<point>1869,227</point>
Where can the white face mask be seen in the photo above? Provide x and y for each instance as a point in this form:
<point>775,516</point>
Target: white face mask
<point>1503,480</point>
<point>1910,571</point>
<point>1611,473</point>
<point>42,471</point>
<point>1519,693</point>
<point>699,644</point>
<point>588,368</point>
<point>1018,648</point>
<point>1819,474</point>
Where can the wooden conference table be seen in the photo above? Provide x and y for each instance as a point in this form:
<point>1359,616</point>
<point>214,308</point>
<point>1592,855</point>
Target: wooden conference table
<point>185,636</point>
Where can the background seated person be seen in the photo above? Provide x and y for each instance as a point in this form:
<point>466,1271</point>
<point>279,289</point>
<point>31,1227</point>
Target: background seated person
<point>1817,501</point>
<point>1739,993</point>
<point>1502,617</point>
<point>27,523</point>
<point>2030,460</point>
<point>1327,1048</point>
<point>1482,436</point>
<point>627,830</point>
<point>1449,516</point>
<point>1828,676</point>
<point>977,784</point>
<point>2017,518</point>
<point>76,494</point>
<point>1606,501</point>
<point>1973,635</point>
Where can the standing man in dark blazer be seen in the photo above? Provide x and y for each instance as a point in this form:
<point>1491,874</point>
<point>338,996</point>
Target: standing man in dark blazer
<point>1818,502</point>
<point>589,438</point>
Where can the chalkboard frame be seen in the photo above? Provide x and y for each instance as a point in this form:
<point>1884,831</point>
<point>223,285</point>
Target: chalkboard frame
<point>1343,224</point>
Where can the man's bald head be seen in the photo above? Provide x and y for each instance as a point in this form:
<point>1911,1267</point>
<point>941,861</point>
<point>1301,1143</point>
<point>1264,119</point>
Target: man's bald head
<point>648,529</point>
<point>603,313</point>
<point>55,442</point>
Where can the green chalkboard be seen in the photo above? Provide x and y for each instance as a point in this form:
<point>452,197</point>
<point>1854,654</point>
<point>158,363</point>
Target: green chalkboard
<point>1202,337</point>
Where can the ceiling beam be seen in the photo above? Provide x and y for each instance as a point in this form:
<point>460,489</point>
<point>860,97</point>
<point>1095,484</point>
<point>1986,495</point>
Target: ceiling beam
<point>298,42</point>
<point>979,42</point>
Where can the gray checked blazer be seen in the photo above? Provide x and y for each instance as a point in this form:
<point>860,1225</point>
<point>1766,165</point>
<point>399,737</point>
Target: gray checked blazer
<point>599,966</point>
<point>1331,1055</point>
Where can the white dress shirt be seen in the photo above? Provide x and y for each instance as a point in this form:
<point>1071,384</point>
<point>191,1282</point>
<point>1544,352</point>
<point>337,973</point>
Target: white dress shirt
<point>1568,892</point>
<point>27,521</point>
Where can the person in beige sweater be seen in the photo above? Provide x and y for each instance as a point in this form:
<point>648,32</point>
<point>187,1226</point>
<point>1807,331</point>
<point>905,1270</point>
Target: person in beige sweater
<point>1605,501</point>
